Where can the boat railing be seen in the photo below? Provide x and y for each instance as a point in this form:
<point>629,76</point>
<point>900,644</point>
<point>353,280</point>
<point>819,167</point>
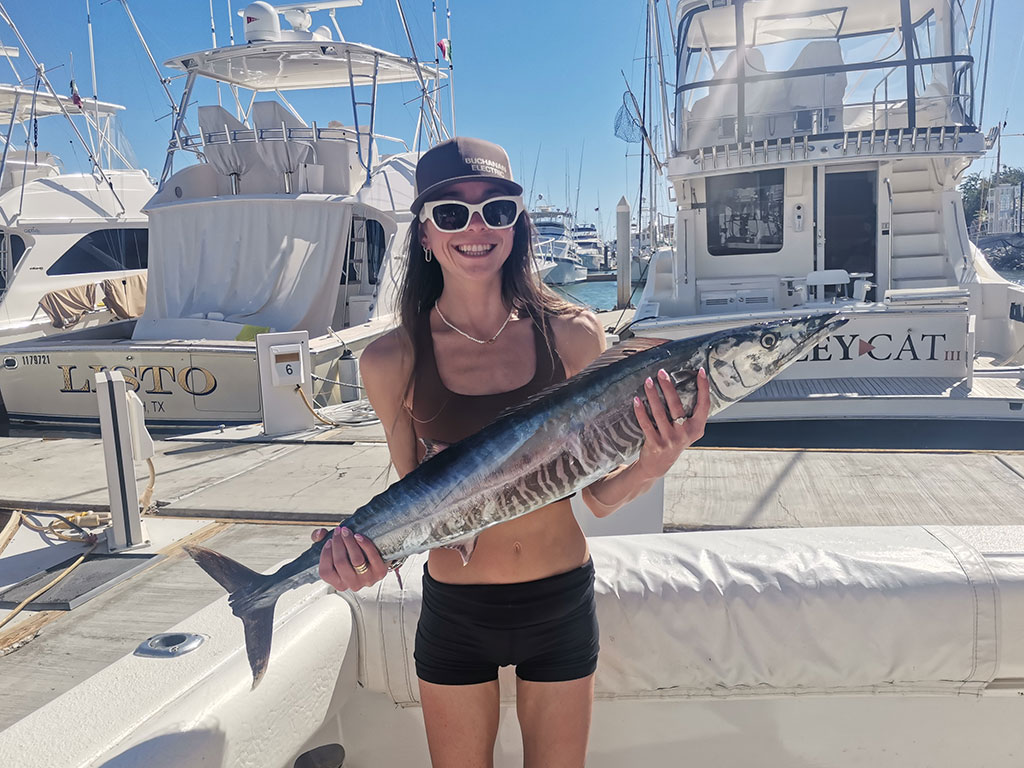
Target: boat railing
<point>823,120</point>
<point>853,143</point>
<point>311,135</point>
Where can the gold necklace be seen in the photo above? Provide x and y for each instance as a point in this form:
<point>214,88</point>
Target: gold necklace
<point>473,338</point>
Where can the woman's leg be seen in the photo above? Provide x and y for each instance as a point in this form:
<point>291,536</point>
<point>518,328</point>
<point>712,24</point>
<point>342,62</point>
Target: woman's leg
<point>462,723</point>
<point>555,720</point>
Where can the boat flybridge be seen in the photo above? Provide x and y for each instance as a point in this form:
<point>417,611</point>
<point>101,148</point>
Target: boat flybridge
<point>72,245</point>
<point>279,225</point>
<point>817,150</point>
<point>555,243</point>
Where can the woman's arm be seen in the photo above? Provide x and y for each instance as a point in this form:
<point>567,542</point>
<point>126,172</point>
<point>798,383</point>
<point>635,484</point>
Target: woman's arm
<point>664,440</point>
<point>582,339</point>
<point>385,366</point>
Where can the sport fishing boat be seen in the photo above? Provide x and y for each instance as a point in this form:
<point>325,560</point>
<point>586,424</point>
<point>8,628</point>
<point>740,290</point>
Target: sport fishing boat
<point>280,225</point>
<point>815,160</point>
<point>555,243</point>
<point>823,646</point>
<point>73,246</point>
<point>589,247</point>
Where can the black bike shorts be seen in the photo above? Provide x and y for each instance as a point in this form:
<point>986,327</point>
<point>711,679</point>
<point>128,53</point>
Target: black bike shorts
<point>547,628</point>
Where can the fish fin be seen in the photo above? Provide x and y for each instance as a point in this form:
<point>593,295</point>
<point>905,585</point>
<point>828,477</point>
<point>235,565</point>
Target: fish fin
<point>258,624</point>
<point>433,447</point>
<point>241,583</point>
<point>464,548</point>
<point>613,355</point>
<point>230,574</point>
<point>396,566</point>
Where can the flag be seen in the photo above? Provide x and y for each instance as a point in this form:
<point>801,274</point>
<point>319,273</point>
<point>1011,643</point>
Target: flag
<point>74,95</point>
<point>446,48</point>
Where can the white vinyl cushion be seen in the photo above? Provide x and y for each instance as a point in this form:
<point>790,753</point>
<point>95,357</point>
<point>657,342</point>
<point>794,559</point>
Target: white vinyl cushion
<point>746,613</point>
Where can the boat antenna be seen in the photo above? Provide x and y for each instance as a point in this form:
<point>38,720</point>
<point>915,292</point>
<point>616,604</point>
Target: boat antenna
<point>533,179</point>
<point>437,47</point>
<point>95,89</point>
<point>579,178</point>
<point>451,63</point>
<point>984,67</point>
<point>231,26</point>
<point>41,75</point>
<point>427,101</point>
<point>163,80</point>
<point>213,37</point>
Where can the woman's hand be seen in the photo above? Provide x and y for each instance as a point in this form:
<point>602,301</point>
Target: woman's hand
<point>670,433</point>
<point>349,561</point>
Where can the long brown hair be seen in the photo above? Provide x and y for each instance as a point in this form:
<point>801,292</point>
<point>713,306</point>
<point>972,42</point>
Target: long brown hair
<point>521,289</point>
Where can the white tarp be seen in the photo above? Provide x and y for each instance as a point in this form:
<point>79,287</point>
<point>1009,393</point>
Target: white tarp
<point>259,261</point>
<point>905,610</point>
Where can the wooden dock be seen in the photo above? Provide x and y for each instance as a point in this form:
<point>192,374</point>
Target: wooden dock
<point>232,476</point>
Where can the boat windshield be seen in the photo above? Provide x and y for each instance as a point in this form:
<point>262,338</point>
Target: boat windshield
<point>791,68</point>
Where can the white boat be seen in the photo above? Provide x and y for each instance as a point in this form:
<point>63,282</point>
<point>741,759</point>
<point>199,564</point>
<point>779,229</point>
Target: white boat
<point>892,646</point>
<point>65,237</point>
<point>555,243</point>
<point>282,225</point>
<point>589,247</point>
<point>807,180</point>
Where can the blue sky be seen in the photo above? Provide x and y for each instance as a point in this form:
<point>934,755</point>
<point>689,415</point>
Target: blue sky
<point>540,77</point>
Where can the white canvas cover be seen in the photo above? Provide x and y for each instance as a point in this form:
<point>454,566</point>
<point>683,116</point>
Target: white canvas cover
<point>848,611</point>
<point>267,262</point>
<point>392,186</point>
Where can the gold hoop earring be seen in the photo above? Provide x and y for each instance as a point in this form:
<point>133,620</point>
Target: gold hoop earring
<point>428,255</point>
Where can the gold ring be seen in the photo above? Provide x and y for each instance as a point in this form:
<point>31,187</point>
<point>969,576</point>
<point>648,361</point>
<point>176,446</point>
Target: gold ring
<point>361,568</point>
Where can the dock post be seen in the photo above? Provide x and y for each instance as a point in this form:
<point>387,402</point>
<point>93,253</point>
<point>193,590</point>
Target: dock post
<point>125,439</point>
<point>623,253</point>
<point>285,370</point>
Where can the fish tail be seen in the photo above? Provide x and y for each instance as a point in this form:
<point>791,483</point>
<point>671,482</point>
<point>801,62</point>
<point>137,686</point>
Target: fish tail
<point>243,584</point>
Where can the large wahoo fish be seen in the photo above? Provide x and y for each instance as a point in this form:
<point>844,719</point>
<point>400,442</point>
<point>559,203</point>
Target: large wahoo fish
<point>542,450</point>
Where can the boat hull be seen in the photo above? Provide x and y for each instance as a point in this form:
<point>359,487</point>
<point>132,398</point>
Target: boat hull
<point>180,383</point>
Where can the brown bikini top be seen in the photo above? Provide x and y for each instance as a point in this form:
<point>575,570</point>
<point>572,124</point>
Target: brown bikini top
<point>440,415</point>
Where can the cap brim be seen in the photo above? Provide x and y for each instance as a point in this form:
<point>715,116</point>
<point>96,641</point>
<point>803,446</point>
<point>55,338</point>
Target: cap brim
<point>511,186</point>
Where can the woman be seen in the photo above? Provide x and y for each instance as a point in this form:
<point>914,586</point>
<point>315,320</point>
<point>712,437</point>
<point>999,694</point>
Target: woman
<point>478,334</point>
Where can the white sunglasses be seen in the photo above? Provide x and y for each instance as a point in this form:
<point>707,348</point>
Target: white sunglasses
<point>455,215</point>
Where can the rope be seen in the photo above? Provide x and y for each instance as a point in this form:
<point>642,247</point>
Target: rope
<point>309,406</point>
<point>353,417</point>
<point>18,609</point>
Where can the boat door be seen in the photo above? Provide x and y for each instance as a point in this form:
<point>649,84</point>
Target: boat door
<point>851,220</point>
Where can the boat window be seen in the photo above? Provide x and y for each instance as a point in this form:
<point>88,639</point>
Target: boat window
<point>15,246</point>
<point>376,245</point>
<point>745,213</point>
<point>105,250</point>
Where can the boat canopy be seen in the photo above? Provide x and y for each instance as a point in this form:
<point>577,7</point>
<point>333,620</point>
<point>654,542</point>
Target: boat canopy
<point>772,21</point>
<point>265,262</point>
<point>770,70</point>
<point>45,105</point>
<point>294,65</point>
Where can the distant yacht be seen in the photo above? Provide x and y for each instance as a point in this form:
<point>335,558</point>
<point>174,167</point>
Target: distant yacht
<point>68,241</point>
<point>555,242</point>
<point>589,247</point>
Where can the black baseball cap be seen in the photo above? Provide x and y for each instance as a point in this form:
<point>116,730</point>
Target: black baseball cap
<point>461,159</point>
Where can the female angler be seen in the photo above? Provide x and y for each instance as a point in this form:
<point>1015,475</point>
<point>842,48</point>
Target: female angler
<point>479,333</point>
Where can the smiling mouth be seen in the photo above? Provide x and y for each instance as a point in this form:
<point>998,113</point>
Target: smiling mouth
<point>475,249</point>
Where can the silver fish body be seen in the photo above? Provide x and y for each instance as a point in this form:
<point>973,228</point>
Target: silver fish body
<point>541,451</point>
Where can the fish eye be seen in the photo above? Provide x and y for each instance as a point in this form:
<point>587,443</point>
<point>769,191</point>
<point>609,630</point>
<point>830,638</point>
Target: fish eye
<point>769,340</point>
